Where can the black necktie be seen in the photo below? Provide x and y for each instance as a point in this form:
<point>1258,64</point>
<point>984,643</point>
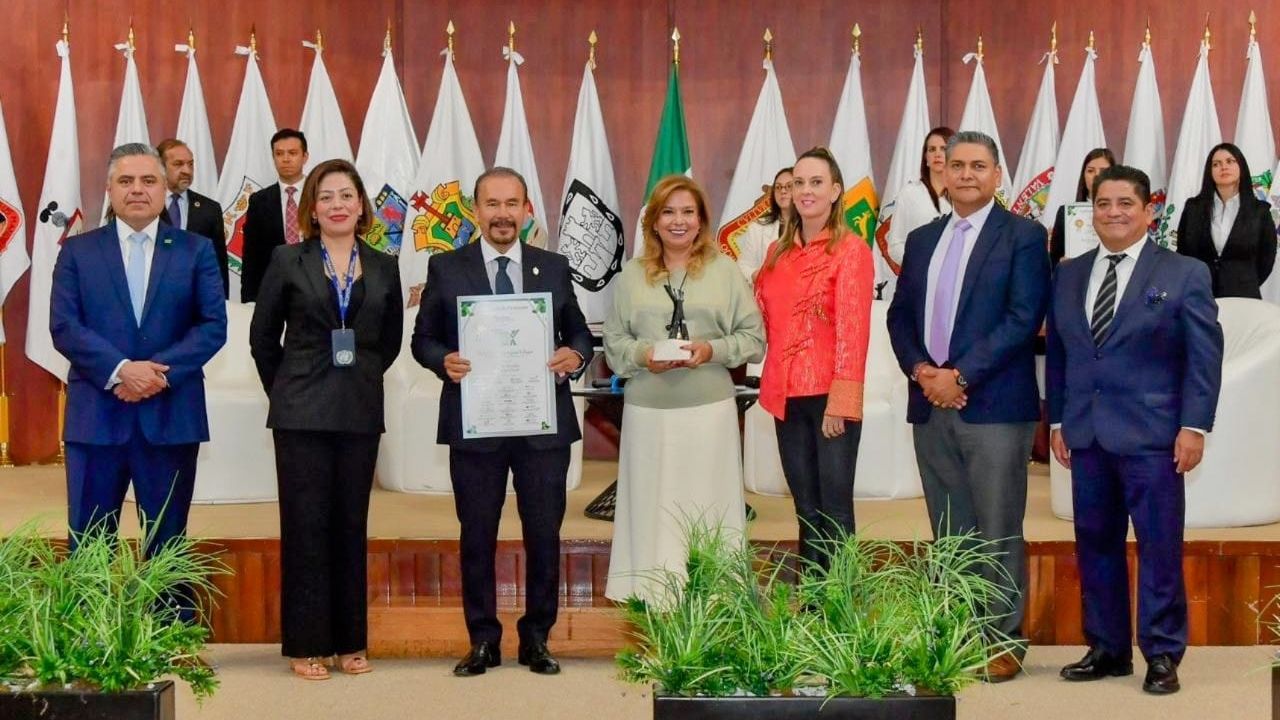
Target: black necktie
<point>502,281</point>
<point>1104,307</point>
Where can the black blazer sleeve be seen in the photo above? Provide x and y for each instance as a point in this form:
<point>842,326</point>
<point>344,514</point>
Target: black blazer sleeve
<point>218,234</point>
<point>1266,241</point>
<point>258,242</point>
<point>434,334</point>
<point>1058,239</point>
<point>267,326</point>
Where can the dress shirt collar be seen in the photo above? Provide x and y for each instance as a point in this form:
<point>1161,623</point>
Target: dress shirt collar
<point>1134,251</point>
<point>123,231</point>
<point>1219,206</point>
<point>489,253</point>
<point>976,219</point>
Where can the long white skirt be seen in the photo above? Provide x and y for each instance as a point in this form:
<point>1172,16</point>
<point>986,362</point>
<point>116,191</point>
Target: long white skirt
<point>675,467</point>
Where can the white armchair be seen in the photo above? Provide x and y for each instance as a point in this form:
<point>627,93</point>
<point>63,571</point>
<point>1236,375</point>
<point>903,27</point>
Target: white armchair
<point>886,454</point>
<point>409,460</point>
<point>1235,484</point>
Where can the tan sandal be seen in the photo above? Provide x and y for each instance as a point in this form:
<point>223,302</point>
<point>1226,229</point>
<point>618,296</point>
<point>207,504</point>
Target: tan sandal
<point>310,668</point>
<point>354,664</point>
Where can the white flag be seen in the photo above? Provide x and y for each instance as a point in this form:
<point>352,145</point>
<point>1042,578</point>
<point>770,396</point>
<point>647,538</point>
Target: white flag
<point>1258,143</point>
<point>1083,133</point>
<point>591,233</point>
<point>904,167</point>
<point>247,167</point>
<point>1199,133</point>
<point>1144,146</point>
<point>766,150</point>
<point>1039,148</point>
<point>441,213</point>
<point>322,118</point>
<point>388,157</point>
<point>515,150</point>
<point>59,217</point>
<point>131,125</point>
<point>13,225</point>
<point>979,115</point>
<point>851,147</point>
<point>193,128</point>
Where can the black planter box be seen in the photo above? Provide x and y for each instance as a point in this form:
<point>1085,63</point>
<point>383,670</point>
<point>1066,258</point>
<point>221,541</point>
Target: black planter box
<point>899,707</point>
<point>153,704</point>
<point>1275,689</point>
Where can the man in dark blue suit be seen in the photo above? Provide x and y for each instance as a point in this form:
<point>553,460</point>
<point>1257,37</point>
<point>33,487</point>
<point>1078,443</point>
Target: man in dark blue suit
<point>963,323</point>
<point>499,264</point>
<point>1133,372</point>
<point>138,309</point>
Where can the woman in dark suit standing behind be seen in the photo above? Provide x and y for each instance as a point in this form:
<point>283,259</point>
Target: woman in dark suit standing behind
<point>1228,227</point>
<point>337,302</point>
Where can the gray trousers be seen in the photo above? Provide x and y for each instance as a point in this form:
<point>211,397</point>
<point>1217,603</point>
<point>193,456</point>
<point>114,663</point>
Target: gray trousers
<point>975,478</point>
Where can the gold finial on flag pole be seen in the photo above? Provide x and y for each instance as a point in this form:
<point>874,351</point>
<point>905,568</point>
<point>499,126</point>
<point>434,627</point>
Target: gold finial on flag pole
<point>130,42</point>
<point>1208,45</point>
<point>386,39</point>
<point>675,52</point>
<point>919,39</point>
<point>591,54</point>
<point>253,39</point>
<point>319,41</point>
<point>1146,36</point>
<point>1053,37</point>
<point>857,39</point>
<point>768,44</point>
<point>449,31</point>
<point>66,27</point>
<point>1253,26</point>
<point>980,53</point>
<point>511,35</point>
<point>191,38</point>
<point>1091,45</point>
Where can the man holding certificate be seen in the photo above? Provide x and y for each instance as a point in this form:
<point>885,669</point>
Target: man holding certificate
<point>500,324</point>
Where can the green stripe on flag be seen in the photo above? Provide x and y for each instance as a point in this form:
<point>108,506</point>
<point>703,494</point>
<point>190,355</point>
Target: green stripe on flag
<point>671,152</point>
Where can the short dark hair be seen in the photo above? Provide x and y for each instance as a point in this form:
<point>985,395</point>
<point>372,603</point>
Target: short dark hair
<point>167,145</point>
<point>308,225</point>
<point>285,134</point>
<point>1123,173</point>
<point>499,171</point>
<point>974,137</point>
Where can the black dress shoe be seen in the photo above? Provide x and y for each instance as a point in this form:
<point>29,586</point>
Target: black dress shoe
<point>1162,676</point>
<point>483,656</point>
<point>1096,665</point>
<point>538,658</point>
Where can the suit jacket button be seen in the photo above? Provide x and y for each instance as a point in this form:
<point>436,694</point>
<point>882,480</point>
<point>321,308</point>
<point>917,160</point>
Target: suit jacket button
<point>1097,356</point>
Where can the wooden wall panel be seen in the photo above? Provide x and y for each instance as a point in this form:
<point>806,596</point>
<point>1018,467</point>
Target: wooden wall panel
<point>720,75</point>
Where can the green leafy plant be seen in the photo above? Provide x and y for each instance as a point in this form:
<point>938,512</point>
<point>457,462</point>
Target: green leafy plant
<point>885,618</point>
<point>104,616</point>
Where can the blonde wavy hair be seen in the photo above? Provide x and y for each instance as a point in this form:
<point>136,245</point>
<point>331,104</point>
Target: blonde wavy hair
<point>836,223</point>
<point>704,246</point>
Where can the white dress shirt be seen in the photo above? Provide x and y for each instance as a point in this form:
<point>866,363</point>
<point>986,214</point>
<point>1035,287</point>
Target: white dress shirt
<point>123,231</point>
<point>491,255</point>
<point>912,209</point>
<point>976,221</point>
<point>1224,216</point>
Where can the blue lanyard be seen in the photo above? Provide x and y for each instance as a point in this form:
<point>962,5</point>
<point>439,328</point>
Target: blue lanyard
<point>344,293</point>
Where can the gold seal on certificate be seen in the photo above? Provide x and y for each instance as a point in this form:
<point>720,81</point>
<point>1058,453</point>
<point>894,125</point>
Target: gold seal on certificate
<point>1079,235</point>
<point>509,340</point>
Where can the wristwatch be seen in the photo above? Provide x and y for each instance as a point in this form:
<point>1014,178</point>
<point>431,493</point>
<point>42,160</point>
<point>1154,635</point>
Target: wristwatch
<point>960,381</point>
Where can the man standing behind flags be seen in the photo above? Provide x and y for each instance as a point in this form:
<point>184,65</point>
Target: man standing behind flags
<point>137,309</point>
<point>187,209</point>
<point>963,323</point>
<point>272,217</point>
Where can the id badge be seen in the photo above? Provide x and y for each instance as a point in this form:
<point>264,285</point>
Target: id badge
<point>344,347</point>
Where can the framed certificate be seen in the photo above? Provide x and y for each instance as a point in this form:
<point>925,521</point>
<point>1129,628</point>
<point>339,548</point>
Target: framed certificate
<point>1078,236</point>
<point>509,340</point>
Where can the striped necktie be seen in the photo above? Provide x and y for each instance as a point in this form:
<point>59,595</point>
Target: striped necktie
<point>1104,307</point>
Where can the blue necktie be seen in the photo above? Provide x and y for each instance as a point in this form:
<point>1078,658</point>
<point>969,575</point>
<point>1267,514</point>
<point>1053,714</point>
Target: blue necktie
<point>175,212</point>
<point>136,273</point>
<point>502,281</point>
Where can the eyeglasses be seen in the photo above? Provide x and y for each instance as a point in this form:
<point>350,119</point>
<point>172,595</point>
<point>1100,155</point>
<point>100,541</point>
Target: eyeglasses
<point>782,188</point>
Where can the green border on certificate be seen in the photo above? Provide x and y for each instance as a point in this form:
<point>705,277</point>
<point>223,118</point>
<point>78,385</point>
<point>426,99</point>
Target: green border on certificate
<point>508,340</point>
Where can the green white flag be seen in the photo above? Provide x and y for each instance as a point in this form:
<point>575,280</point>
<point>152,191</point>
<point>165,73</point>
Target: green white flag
<point>671,152</point>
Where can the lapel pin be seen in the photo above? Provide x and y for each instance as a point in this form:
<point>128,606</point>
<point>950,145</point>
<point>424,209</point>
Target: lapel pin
<point>535,269</point>
<point>168,241</point>
<point>196,203</point>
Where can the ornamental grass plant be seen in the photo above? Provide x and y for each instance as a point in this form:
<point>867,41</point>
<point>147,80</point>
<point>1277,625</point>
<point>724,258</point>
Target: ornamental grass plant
<point>103,617</point>
<point>886,618</point>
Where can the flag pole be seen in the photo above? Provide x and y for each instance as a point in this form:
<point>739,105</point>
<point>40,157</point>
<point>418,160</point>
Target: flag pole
<point>857,39</point>
<point>5,459</point>
<point>592,39</point>
<point>768,45</point>
<point>675,52</point>
<point>449,31</point>
<point>62,425</point>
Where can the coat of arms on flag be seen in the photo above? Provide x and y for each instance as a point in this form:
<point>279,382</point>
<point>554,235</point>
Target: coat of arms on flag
<point>10,224</point>
<point>732,230</point>
<point>233,218</point>
<point>447,220</point>
<point>1031,200</point>
<point>590,236</point>
<point>860,209</point>
<point>388,221</point>
<point>69,224</point>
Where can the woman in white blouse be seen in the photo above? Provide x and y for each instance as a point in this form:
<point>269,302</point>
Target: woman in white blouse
<point>767,228</point>
<point>924,199</point>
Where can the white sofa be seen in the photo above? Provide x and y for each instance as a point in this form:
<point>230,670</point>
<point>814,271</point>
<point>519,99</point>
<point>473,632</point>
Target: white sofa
<point>886,454</point>
<point>409,460</point>
<point>1236,484</point>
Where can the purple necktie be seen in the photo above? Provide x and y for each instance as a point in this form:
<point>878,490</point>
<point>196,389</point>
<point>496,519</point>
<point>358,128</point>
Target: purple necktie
<point>944,295</point>
<point>175,211</point>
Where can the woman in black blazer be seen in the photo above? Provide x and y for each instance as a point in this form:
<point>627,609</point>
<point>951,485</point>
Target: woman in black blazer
<point>325,386</point>
<point>1097,160</point>
<point>1240,252</point>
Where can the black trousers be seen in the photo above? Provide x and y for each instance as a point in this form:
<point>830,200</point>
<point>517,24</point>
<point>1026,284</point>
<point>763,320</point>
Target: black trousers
<point>819,472</point>
<point>325,479</point>
<point>479,492</point>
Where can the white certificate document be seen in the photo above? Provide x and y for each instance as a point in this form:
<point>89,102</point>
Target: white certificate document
<point>1078,236</point>
<point>509,340</point>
